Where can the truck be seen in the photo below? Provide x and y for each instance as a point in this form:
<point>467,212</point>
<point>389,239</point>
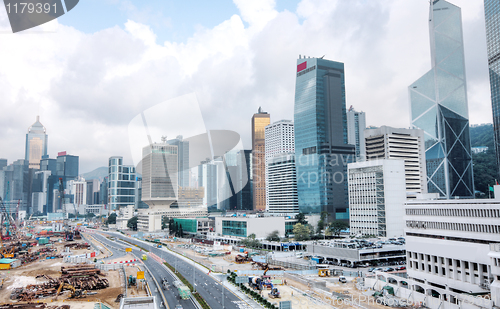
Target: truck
<point>184,291</point>
<point>144,257</point>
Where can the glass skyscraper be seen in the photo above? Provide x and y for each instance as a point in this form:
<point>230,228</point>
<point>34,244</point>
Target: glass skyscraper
<point>439,106</point>
<point>492,19</point>
<point>321,148</point>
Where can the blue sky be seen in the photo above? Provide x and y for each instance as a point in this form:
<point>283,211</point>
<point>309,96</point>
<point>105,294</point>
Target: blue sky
<point>170,20</point>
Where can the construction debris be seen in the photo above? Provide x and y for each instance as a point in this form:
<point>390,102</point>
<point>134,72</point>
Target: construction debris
<point>32,306</point>
<point>82,278</point>
<point>77,245</point>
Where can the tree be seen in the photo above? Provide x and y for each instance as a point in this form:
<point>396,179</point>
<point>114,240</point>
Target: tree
<point>322,222</point>
<point>112,219</point>
<point>273,236</point>
<point>337,226</point>
<point>251,242</point>
<point>181,232</point>
<point>89,215</point>
<point>301,232</point>
<point>301,218</point>
<point>132,223</point>
<point>71,216</point>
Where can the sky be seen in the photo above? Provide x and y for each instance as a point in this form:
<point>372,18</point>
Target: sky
<point>97,70</point>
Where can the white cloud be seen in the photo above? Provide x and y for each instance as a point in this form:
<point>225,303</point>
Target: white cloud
<point>88,87</point>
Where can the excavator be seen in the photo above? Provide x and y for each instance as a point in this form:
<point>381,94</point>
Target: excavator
<point>74,292</point>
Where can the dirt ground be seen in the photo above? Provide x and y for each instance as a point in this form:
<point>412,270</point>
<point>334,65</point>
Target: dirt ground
<point>135,290</point>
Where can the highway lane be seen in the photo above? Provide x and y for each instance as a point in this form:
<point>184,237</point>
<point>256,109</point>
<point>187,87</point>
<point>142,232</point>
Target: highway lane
<point>208,288</point>
<point>159,272</point>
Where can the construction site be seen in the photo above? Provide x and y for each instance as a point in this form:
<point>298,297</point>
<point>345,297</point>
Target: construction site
<point>46,265</point>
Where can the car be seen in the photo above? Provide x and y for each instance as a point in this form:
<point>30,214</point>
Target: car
<point>178,307</point>
<point>388,269</point>
<point>401,268</point>
<point>370,269</point>
<point>342,279</point>
<point>377,269</point>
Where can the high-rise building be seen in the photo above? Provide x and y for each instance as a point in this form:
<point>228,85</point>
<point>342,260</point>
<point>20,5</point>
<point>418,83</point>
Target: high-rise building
<point>356,125</point>
<point>207,178</point>
<point>122,184</point>
<point>36,144</point>
<point>67,165</point>
<point>244,196</point>
<point>404,144</point>
<point>377,197</point>
<point>321,148</point>
<point>259,122</point>
<point>439,106</point>
<point>159,174</point>
<point>281,177</point>
<point>183,160</point>
<point>492,19</point>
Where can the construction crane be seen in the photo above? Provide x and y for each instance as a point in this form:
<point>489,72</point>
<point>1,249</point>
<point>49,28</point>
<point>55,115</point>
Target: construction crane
<point>8,221</point>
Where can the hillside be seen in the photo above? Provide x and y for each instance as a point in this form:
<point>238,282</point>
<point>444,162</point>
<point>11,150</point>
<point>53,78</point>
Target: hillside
<point>485,164</point>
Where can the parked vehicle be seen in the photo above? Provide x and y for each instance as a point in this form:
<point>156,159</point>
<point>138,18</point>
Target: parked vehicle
<point>342,279</point>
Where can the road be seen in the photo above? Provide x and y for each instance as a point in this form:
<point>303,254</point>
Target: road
<point>157,270</point>
<point>208,288</point>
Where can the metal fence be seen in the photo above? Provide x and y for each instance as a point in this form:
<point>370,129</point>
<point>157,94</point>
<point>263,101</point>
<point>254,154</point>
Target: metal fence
<point>292,265</point>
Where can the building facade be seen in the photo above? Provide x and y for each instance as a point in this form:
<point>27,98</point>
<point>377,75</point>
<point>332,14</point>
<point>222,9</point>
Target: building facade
<point>36,144</point>
<point>244,197</point>
<point>207,179</point>
<point>282,185</point>
<point>259,122</point>
<point>376,198</point>
<point>321,146</point>
<point>279,141</point>
<point>356,125</point>
<point>122,184</point>
<point>492,20</point>
<point>439,106</point>
<point>182,160</point>
<point>404,144</point>
<point>452,251</point>
<point>159,174</point>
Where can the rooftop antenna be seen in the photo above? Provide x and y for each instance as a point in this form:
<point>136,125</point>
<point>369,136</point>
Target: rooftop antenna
<point>163,138</point>
<point>322,57</point>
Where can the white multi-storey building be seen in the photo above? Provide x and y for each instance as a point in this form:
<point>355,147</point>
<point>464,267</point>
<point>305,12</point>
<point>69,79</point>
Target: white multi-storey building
<point>452,252</point>
<point>376,197</point>
<point>406,144</point>
<point>122,183</point>
<point>281,193</point>
<point>356,125</point>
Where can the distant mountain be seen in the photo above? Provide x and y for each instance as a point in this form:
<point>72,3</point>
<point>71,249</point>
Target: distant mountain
<point>98,173</point>
<point>481,135</point>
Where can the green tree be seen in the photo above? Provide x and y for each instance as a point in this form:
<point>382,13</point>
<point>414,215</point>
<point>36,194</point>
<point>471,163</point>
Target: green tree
<point>164,222</point>
<point>251,242</point>
<point>301,232</point>
<point>181,232</point>
<point>273,236</point>
<point>112,218</point>
<point>301,218</point>
<point>89,215</point>
<point>337,226</point>
<point>132,223</point>
<point>322,222</point>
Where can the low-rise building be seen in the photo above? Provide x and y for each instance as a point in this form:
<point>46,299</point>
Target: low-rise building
<point>124,214</point>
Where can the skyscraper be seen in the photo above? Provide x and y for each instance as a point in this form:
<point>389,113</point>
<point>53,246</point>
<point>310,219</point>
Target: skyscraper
<point>281,177</point>
<point>492,19</point>
<point>207,178</point>
<point>183,160</point>
<point>259,123</point>
<point>356,125</point>
<point>244,197</point>
<point>36,144</point>
<point>159,174</point>
<point>321,148</point>
<point>439,106</point>
<point>402,144</point>
<point>122,184</point>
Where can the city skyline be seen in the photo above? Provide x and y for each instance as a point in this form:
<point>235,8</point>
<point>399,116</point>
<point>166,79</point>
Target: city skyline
<point>237,37</point>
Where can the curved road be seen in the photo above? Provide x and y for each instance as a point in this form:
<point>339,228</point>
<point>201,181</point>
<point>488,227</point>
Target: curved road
<point>205,285</point>
<point>156,270</point>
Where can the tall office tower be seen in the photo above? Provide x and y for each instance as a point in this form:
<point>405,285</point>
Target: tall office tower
<point>183,160</point>
<point>3,163</point>
<point>67,165</point>
<point>92,194</point>
<point>492,19</point>
<point>244,197</point>
<point>281,184</point>
<point>321,148</point>
<point>356,125</point>
<point>207,179</point>
<point>39,194</point>
<point>259,123</point>
<point>36,144</point>
<point>439,106</point>
<point>281,179</point>
<point>17,176</point>
<point>103,194</point>
<point>376,198</point>
<point>159,174</point>
<point>48,164</point>
<point>223,185</point>
<point>139,204</point>
<point>121,184</point>
<point>80,190</point>
<point>404,144</point>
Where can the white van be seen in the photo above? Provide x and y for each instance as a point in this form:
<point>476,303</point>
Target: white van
<point>342,279</point>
